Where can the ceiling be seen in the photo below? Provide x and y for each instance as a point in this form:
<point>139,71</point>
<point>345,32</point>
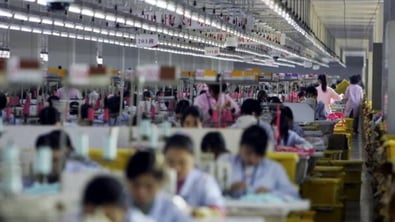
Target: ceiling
<point>350,22</point>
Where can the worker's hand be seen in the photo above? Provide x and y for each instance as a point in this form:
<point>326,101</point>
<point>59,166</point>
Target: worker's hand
<point>262,190</point>
<point>238,187</point>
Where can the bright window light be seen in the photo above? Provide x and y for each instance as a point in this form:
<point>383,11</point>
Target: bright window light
<point>5,13</point>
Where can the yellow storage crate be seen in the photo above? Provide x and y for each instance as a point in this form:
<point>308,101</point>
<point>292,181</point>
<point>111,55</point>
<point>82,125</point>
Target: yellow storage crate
<point>390,150</point>
<point>329,213</point>
<point>352,191</point>
<point>118,164</point>
<point>323,191</point>
<point>329,172</point>
<point>333,154</point>
<point>304,216</point>
<point>349,124</point>
<point>288,160</point>
<point>352,168</point>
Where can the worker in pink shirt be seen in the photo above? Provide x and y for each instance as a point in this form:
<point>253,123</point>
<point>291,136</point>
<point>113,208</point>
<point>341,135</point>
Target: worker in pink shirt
<point>353,97</point>
<point>71,93</point>
<point>326,94</point>
<point>215,101</point>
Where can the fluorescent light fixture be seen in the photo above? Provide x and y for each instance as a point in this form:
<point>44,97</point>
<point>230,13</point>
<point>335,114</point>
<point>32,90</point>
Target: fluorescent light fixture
<point>44,56</point>
<point>202,20</point>
<point>152,28</point>
<point>100,40</point>
<point>111,41</point>
<point>34,19</point>
<point>88,29</point>
<point>58,23</point>
<point>15,27</point>
<point>130,22</point>
<point>5,13</point>
<point>126,35</point>
<point>137,24</point>
<point>37,30</point>
<point>119,34</point>
<point>106,41</point>
<point>64,34</point>
<point>87,38</point>
<point>96,30</point>
<point>121,20</point>
<point>111,17</point>
<point>29,0</point>
<point>55,33</point>
<point>80,37</point>
<point>20,16</point>
<point>79,27</point>
<point>171,7</point>
<point>111,33</point>
<point>195,17</point>
<point>99,15</point>
<point>47,21</point>
<point>69,25</point>
<point>180,10</point>
<point>99,60</point>
<point>145,26</point>
<point>4,26</point>
<point>26,29</point>
<point>74,9</point>
<point>104,32</point>
<point>93,38</point>
<point>42,2</point>
<point>5,53</point>
<point>187,13</point>
<point>87,12</point>
<point>150,2</point>
<point>72,35</point>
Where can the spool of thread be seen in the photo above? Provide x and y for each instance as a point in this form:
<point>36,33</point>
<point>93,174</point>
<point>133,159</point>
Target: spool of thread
<point>83,145</point>
<point>154,136</point>
<point>43,162</point>
<point>145,128</point>
<point>172,185</point>
<point>166,125</point>
<point>110,149</point>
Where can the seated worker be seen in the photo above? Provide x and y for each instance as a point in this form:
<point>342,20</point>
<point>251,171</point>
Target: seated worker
<point>287,136</point>
<point>292,125</point>
<point>318,106</point>
<point>192,118</point>
<point>262,97</point>
<point>117,116</point>
<point>252,172</point>
<point>145,174</point>
<point>63,157</point>
<point>214,142</point>
<point>3,105</point>
<point>49,116</point>
<point>71,93</point>
<point>104,199</point>
<point>251,110</point>
<point>196,187</point>
<point>181,106</point>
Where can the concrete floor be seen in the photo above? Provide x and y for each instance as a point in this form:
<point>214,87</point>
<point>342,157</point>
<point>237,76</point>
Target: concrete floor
<point>360,211</point>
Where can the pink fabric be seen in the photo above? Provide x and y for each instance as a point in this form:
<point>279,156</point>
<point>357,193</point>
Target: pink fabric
<point>72,94</point>
<point>327,97</point>
<point>202,101</point>
<point>354,96</point>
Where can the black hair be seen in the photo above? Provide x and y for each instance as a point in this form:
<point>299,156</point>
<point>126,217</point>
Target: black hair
<point>250,107</point>
<point>311,91</point>
<point>214,142</point>
<point>55,138</point>
<point>284,125</point>
<point>274,99</point>
<point>3,101</point>
<point>181,106</point>
<point>114,104</point>
<point>85,110</point>
<point>43,140</point>
<point>181,142</point>
<point>256,138</point>
<point>354,79</point>
<point>49,116</point>
<point>103,191</point>
<point>193,111</point>
<point>146,94</point>
<point>262,96</point>
<point>324,84</point>
<point>144,162</point>
<point>51,99</point>
<point>216,88</point>
<point>288,112</point>
<point>301,94</point>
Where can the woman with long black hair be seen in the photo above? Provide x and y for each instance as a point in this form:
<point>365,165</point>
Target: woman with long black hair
<point>326,94</point>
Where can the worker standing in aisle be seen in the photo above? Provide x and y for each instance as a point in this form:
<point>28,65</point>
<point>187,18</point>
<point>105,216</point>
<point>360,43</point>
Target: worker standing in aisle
<point>215,100</point>
<point>353,98</point>
<point>146,176</point>
<point>326,94</point>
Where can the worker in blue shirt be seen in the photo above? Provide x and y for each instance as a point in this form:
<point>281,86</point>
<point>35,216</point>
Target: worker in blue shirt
<point>253,173</point>
<point>145,175</point>
<point>198,188</point>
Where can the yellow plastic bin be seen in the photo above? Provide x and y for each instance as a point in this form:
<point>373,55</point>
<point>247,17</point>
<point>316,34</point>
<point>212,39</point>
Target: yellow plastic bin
<point>288,160</point>
<point>352,191</point>
<point>118,164</point>
<point>304,216</point>
<point>329,213</point>
<point>329,172</point>
<point>323,191</point>
<point>352,168</point>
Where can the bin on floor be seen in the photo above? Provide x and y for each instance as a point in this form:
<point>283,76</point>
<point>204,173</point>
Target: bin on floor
<point>304,216</point>
<point>352,168</point>
<point>323,191</point>
<point>288,160</point>
<point>329,213</point>
<point>118,164</point>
